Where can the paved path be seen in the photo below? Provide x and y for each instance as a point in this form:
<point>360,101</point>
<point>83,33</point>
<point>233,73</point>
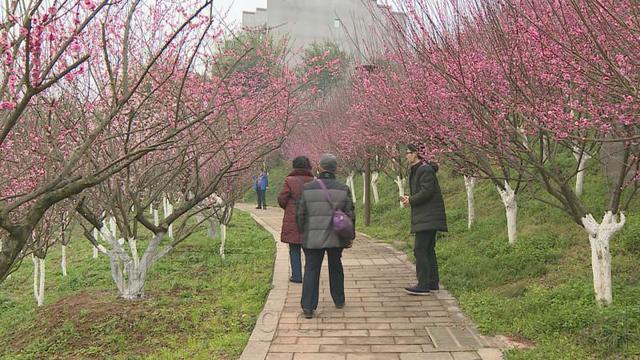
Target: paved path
<point>379,320</point>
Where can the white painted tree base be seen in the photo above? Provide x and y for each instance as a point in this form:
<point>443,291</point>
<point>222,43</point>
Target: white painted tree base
<point>511,207</point>
<point>470,184</point>
<point>38,279</point>
<point>223,239</point>
<point>582,158</point>
<point>374,186</point>
<point>352,186</point>
<point>400,184</point>
<point>63,260</point>
<point>600,235</point>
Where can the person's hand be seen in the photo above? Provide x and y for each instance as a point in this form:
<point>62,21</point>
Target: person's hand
<point>405,201</point>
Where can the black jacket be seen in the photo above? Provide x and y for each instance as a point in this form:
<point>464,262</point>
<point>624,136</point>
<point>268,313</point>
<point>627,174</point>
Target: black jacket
<point>314,213</point>
<point>427,204</point>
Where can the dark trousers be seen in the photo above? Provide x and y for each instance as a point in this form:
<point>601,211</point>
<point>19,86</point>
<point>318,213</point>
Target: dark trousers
<point>262,198</point>
<point>424,250</point>
<point>311,282</point>
<point>295,259</point>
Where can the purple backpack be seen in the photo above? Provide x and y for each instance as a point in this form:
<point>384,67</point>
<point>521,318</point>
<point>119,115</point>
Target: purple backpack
<point>342,224</point>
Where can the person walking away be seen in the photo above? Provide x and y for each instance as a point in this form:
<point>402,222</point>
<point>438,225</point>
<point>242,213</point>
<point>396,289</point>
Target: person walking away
<point>314,217</point>
<point>288,200</point>
<point>427,218</point>
<point>261,186</point>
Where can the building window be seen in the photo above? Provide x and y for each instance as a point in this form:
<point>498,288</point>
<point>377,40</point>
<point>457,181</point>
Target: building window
<point>336,23</point>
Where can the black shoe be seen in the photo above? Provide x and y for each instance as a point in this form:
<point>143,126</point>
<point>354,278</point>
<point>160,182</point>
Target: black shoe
<point>308,314</point>
<point>339,306</point>
<point>297,281</point>
<point>258,207</point>
<point>415,290</point>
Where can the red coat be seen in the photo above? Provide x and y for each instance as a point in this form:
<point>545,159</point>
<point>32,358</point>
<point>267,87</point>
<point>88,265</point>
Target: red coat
<point>288,199</point>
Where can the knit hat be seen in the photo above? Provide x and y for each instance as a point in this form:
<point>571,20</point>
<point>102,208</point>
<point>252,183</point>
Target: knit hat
<point>328,162</point>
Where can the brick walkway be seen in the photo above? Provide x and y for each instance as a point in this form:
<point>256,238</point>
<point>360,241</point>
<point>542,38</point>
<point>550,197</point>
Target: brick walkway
<point>379,320</point>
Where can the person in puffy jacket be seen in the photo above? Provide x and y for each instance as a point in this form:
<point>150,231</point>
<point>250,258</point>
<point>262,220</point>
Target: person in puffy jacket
<point>427,218</point>
<point>314,217</point>
<point>288,200</point>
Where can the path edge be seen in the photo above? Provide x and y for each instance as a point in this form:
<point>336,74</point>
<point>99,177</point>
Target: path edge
<point>263,333</point>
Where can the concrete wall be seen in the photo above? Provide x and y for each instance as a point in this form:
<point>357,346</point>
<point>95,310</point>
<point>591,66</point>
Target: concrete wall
<point>349,23</point>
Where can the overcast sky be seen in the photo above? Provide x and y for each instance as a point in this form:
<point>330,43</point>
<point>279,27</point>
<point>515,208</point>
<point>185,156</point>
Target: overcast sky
<point>236,7</point>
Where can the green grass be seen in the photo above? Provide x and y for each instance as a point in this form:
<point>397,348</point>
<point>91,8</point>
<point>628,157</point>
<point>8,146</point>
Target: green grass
<point>197,305</point>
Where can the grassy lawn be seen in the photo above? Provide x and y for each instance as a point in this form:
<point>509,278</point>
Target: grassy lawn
<point>197,305</point>
<point>539,290</point>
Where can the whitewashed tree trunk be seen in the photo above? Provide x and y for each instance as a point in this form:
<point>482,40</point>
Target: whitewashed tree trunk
<point>133,246</point>
<point>199,217</point>
<point>352,185</point>
<point>374,186</point>
<point>600,235</point>
<point>113,227</point>
<point>470,184</point>
<point>523,137</point>
<point>400,183</point>
<point>165,206</point>
<point>95,249</point>
<point>582,158</point>
<point>38,279</point>
<point>170,211</point>
<point>213,225</point>
<point>511,207</point>
<point>129,274</point>
<point>156,217</point>
<point>364,186</point>
<point>63,260</point>
<point>223,239</point>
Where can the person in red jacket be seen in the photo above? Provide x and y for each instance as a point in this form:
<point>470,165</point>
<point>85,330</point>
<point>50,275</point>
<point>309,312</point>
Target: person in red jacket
<point>288,199</point>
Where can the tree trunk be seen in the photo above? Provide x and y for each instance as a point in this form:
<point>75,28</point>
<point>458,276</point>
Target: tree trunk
<point>199,217</point>
<point>128,272</point>
<point>374,186</point>
<point>213,225</point>
<point>113,227</point>
<point>133,246</point>
<point>352,185</point>
<point>470,184</point>
<point>511,207</point>
<point>581,158</point>
<point>400,183</point>
<point>364,187</point>
<point>223,238</point>
<point>95,249</point>
<point>63,260</point>
<point>599,238</point>
<point>170,211</point>
<point>38,279</point>
<point>156,217</point>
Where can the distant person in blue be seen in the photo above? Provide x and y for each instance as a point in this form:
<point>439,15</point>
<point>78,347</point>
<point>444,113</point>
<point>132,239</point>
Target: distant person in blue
<point>260,185</point>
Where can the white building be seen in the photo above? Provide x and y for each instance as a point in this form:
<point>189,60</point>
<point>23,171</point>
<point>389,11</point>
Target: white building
<point>357,26</point>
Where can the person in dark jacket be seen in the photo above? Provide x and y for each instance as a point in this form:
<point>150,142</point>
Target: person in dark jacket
<point>314,217</point>
<point>427,218</point>
<point>288,199</point>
